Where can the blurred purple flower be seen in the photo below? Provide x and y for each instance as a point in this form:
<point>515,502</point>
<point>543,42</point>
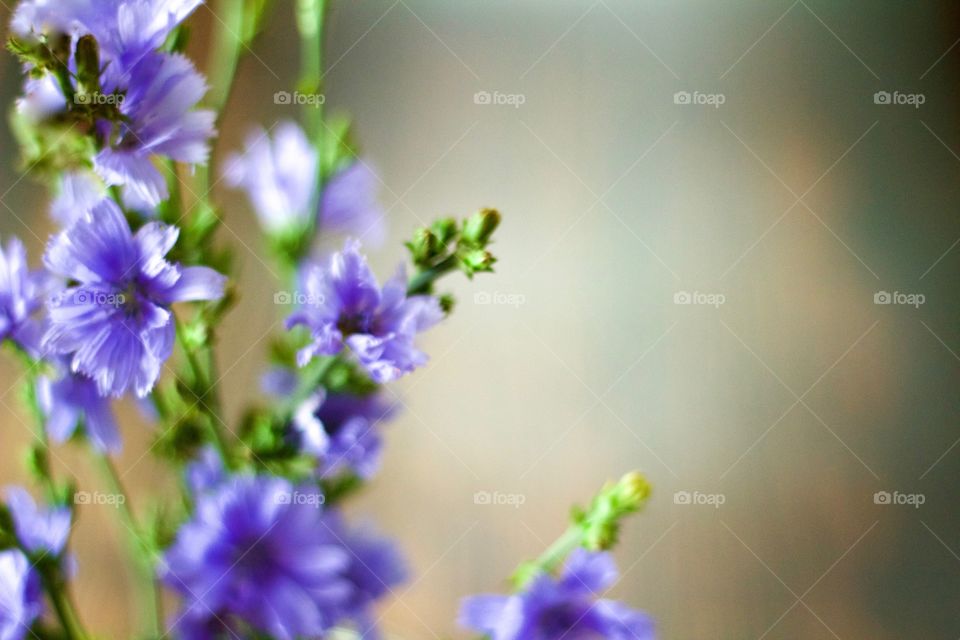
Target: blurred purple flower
<point>79,193</point>
<point>21,292</point>
<point>115,323</point>
<point>341,430</point>
<point>349,204</point>
<point>566,608</point>
<point>71,400</point>
<point>256,551</point>
<point>38,529</point>
<point>348,308</point>
<point>20,595</point>
<point>279,176</point>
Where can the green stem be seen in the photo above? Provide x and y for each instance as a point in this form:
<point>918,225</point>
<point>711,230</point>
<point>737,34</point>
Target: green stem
<point>141,550</point>
<point>310,21</point>
<point>62,607</point>
<point>423,280</point>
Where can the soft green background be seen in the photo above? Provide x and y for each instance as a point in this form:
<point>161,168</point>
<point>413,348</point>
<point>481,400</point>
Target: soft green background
<point>615,198</point>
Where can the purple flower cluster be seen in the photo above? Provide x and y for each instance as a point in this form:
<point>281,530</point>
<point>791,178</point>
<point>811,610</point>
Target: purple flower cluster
<point>262,552</point>
<point>348,309</point>
<point>566,607</point>
<point>158,91</point>
<point>39,531</point>
<point>280,176</point>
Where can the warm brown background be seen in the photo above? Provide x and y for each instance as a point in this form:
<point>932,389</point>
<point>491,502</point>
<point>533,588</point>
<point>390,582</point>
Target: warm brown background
<point>616,198</point>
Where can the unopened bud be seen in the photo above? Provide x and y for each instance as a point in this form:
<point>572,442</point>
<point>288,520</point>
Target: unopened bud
<point>480,226</point>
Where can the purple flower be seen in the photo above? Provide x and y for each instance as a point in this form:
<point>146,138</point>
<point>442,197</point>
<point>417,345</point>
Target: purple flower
<point>160,120</point>
<point>256,550</point>
<point>79,193</point>
<point>21,290</point>
<point>278,175</point>
<point>341,431</point>
<point>349,204</point>
<point>350,309</point>
<point>159,90</point>
<point>568,608</point>
<point>206,472</point>
<point>38,529</point>
<point>115,323</point>
<point>280,179</point>
<point>20,596</point>
<point>72,400</point>
<point>375,568</point>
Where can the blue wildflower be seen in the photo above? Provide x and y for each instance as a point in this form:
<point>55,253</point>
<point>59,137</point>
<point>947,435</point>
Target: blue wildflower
<point>256,550</point>
<point>349,309</point>
<point>279,176</point>
<point>38,529</point>
<point>115,324</point>
<point>567,607</point>
<point>341,430</point>
<point>21,293</point>
<point>20,595</point>
<point>72,400</point>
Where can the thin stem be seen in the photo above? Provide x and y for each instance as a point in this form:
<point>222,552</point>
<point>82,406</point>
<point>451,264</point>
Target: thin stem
<point>310,22</point>
<point>140,548</point>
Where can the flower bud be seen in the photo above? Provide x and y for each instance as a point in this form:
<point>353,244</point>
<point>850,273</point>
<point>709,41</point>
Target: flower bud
<point>424,247</point>
<point>477,260</point>
<point>480,226</point>
<point>88,64</point>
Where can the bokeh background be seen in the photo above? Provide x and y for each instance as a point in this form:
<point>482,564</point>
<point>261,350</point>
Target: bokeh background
<point>793,203</point>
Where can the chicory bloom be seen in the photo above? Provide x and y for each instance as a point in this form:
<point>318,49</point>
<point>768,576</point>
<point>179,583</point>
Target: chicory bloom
<point>38,529</point>
<point>160,120</point>
<point>115,324</point>
<point>280,175</point>
<point>341,430</point>
<point>257,550</point>
<point>72,400</point>
<point>156,92</point>
<point>79,192</point>
<point>21,290</point>
<point>566,607</point>
<point>349,309</point>
<point>349,204</point>
<point>375,568</point>
<point>20,595</point>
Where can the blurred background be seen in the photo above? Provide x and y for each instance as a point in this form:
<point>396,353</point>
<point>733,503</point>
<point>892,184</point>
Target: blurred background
<point>706,205</point>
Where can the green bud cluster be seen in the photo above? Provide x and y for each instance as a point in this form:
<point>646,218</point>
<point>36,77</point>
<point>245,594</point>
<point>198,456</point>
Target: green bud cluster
<point>447,245</point>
